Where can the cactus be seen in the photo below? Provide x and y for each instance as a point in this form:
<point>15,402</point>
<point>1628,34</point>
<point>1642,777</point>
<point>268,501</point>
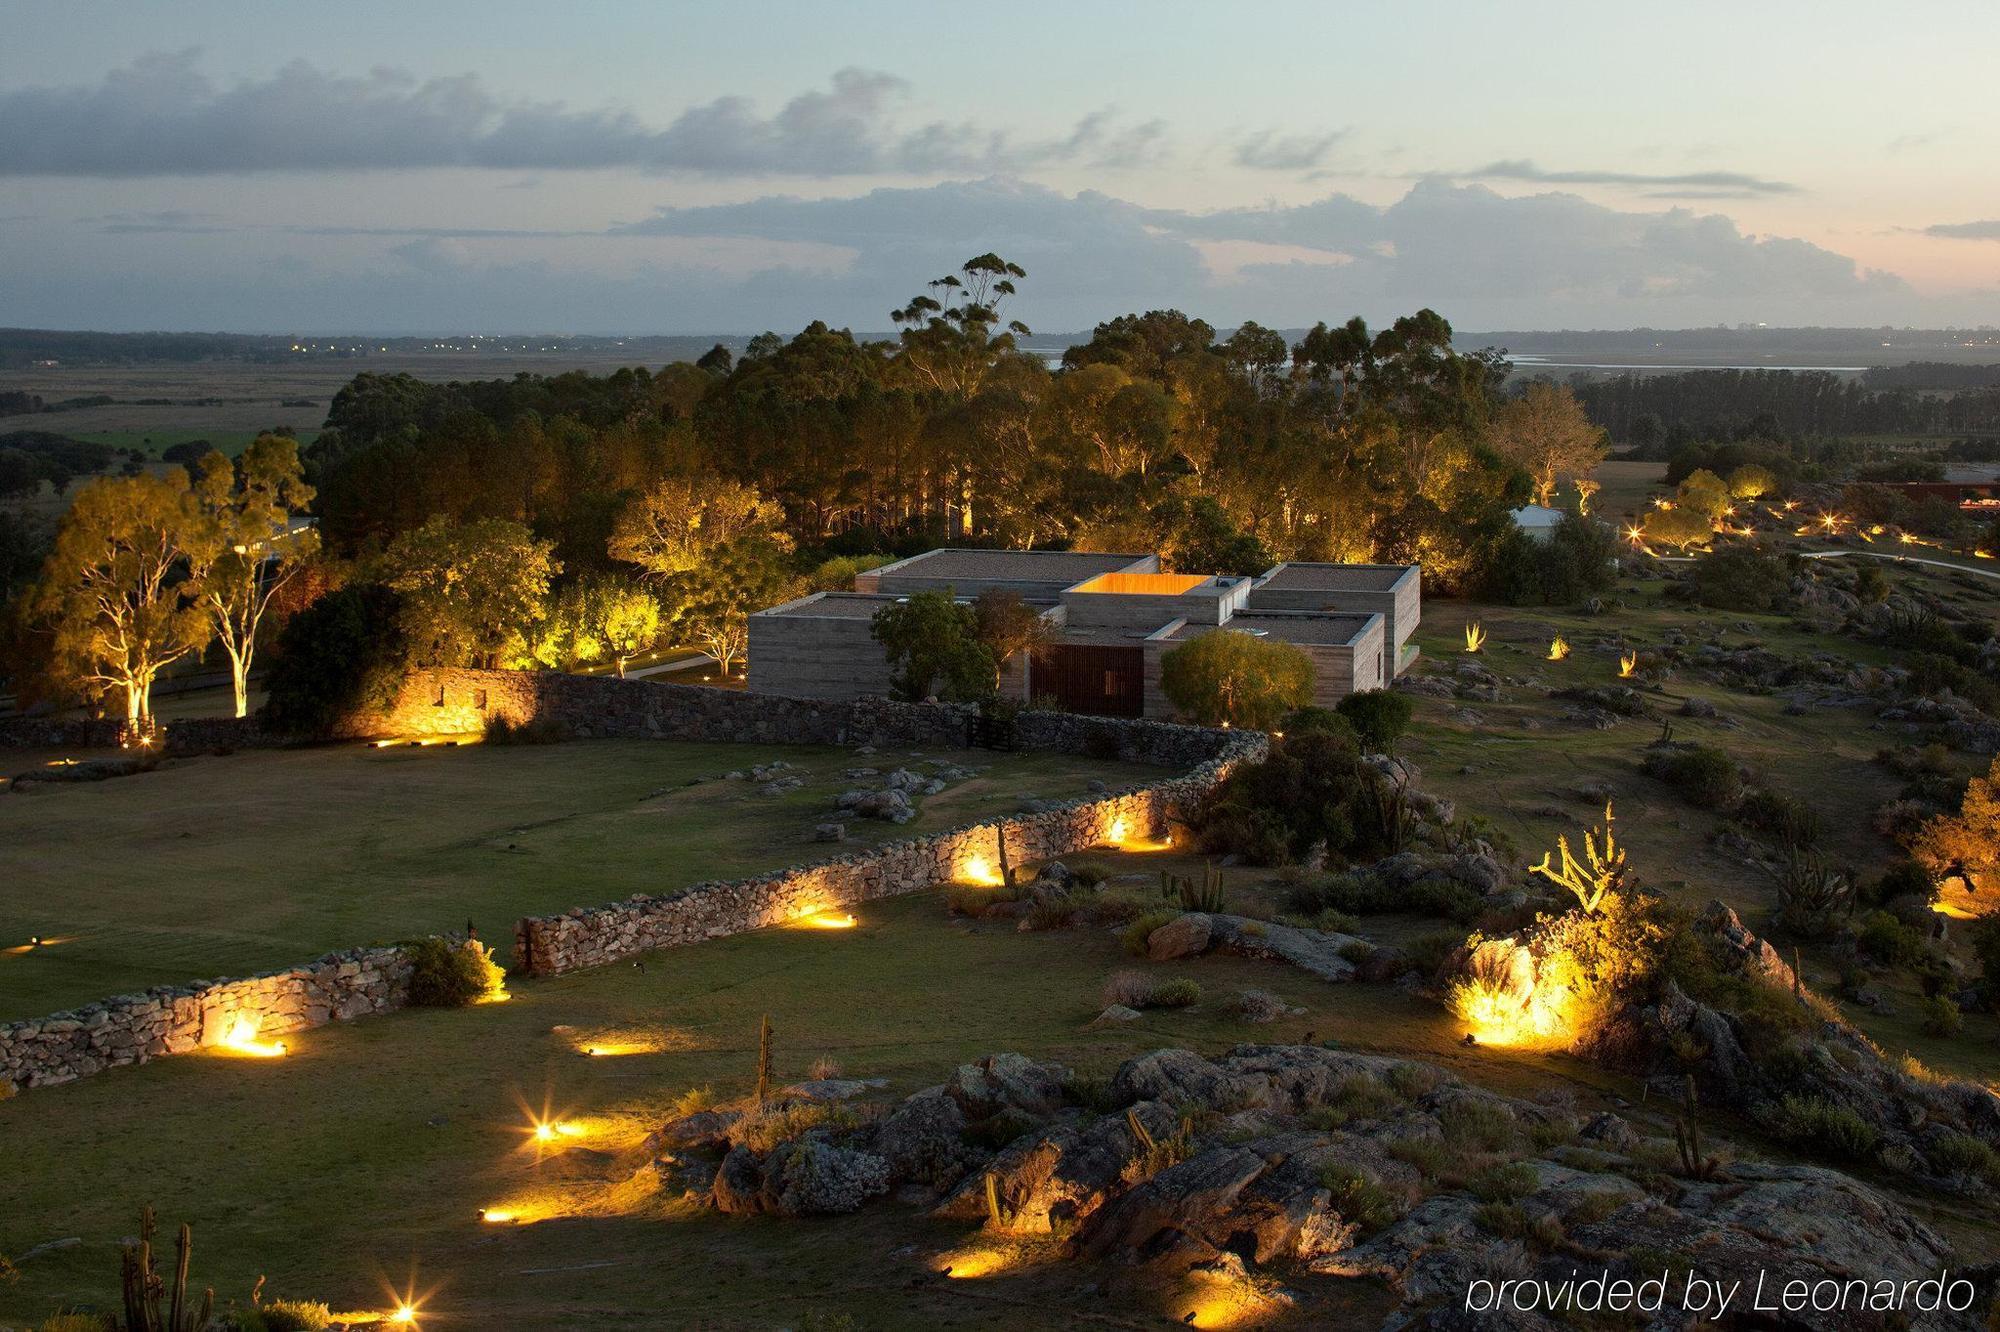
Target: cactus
<point>1006,865</point>
<point>144,1288</point>
<point>1208,897</point>
<point>997,1215</point>
<point>764,1060</point>
<point>1695,1163</point>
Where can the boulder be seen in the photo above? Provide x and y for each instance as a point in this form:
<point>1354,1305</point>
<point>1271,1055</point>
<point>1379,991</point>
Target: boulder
<point>1007,1082</point>
<point>1186,935</point>
<point>922,1141</point>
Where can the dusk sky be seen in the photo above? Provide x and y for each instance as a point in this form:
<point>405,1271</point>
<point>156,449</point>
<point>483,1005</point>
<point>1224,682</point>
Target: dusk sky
<point>450,167</point>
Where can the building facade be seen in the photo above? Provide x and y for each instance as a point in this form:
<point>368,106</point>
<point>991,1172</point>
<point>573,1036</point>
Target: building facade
<point>1112,618</point>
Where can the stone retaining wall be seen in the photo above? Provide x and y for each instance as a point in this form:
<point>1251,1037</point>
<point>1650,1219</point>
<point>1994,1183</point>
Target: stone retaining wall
<point>132,1029</point>
<point>594,936</point>
<point>175,1019</point>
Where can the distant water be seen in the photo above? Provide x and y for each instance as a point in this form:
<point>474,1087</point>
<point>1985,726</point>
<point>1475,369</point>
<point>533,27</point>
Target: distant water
<point>1552,363</point>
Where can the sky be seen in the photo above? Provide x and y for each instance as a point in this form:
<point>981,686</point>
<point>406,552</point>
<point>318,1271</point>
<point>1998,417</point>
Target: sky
<point>611,167</point>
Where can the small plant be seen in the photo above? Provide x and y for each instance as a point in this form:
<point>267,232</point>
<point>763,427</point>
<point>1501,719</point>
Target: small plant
<point>1134,935</point>
<point>501,730</point>
<point>1127,989</point>
<point>1705,776</point>
<point>144,1288</point>
<point>1695,1163</point>
<point>1505,1219</point>
<point>1812,899</point>
<point>1052,913</point>
<point>1378,718</point>
<point>1156,1154</point>
<point>763,1092</point>
<point>1358,1198</point>
<point>1486,1125</point>
<point>1208,897</point>
<point>294,1316</point>
<point>823,1068</point>
<point>693,1101</point>
<point>1089,873</point>
<point>1427,1156</point>
<point>1504,1182</point>
<point>1181,992</point>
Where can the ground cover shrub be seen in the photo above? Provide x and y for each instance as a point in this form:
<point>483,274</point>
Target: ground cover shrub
<point>290,1316</point>
<point>1791,822</point>
<point>1349,895</point>
<point>1962,1154</point>
<point>1134,935</point>
<point>1484,1125</point>
<point>444,974</point>
<point>1738,578</point>
<point>1053,913</point>
<point>1358,1198</point>
<point>1088,872</point>
<point>1818,1125</point>
<point>1318,721</point>
<point>1939,1016</point>
<point>1503,1182</point>
<point>1181,992</point>
<point>1135,989</point>
<point>1705,776</point>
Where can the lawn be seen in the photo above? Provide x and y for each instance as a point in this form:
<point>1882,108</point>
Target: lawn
<point>155,442</point>
<point>362,1159</point>
<point>220,866</point>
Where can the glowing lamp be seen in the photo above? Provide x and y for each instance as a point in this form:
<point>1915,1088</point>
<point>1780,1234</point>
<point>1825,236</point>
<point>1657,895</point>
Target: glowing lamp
<point>830,920</point>
<point>242,1039</point>
<point>979,869</point>
<point>405,1315</point>
<point>496,1216</point>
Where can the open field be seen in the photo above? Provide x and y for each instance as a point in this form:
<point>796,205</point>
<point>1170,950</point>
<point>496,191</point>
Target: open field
<point>224,866</point>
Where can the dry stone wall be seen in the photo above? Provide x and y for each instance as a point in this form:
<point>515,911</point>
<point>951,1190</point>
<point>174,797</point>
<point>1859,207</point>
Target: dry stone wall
<point>134,1028</point>
<point>176,1019</point>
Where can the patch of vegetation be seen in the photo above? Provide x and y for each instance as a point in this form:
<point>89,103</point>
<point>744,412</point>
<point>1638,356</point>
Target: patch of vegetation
<point>1706,777</point>
<point>1738,578</point>
<point>1233,677</point>
<point>444,974</point>
<point>1476,1123</point>
<point>1348,895</point>
<point>1378,718</point>
<point>536,731</point>
<point>1816,1124</point>
<point>1360,1199</point>
<point>1579,560</point>
<point>1504,1182</point>
<point>1134,935</point>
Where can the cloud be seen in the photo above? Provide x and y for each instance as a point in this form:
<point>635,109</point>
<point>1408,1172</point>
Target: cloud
<point>1691,184</point>
<point>172,221</point>
<point>1271,151</point>
<point>162,116</point>
<point>1482,259</point>
<point>1988,230</point>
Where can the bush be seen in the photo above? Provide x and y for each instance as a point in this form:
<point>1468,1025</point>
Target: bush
<point>1905,878</point>
<point>1961,1154</point>
<point>1986,947</point>
<point>1818,1125</point>
<point>294,1316</point>
<point>1052,913</point>
<point>1739,578</point>
<point>1705,776</point>
<point>1359,1199</point>
<point>444,974</point>
<point>1792,822</point>
<point>1181,992</point>
<point>1228,676</point>
<point>1134,935</point>
<point>1504,1182</point>
<point>1939,1016</point>
<point>1089,873</point>
<point>1320,721</point>
<point>1311,789</point>
<point>536,731</point>
<point>1379,718</point>
<point>341,655</point>
<point>1890,941</point>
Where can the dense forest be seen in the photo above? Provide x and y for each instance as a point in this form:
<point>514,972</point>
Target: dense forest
<point>1817,404</point>
<point>1350,444</point>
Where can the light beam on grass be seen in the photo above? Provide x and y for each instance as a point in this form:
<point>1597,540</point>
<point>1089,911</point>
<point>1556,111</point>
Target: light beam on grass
<point>827,920</point>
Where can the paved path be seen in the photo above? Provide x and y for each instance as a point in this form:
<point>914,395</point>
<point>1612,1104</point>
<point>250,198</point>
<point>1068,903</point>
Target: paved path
<point>684,663</point>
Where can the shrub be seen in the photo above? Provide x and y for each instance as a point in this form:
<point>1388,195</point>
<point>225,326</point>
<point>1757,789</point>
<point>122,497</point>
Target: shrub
<point>1792,822</point>
<point>294,1316</point>
<point>693,1101</point>
<point>341,655</point>
<point>1939,1016</point>
<point>1905,878</point>
<point>1379,717</point>
<point>501,730</point>
<point>1739,578</point>
<point>1986,947</point>
<point>1504,1182</point>
<point>1319,721</point>
<point>1890,941</point>
<point>1127,988</point>
<point>1485,1125</point>
<point>1428,953</point>
<point>1705,776</point>
<point>1962,1154</point>
<point>1134,936</point>
<point>1427,1155</point>
<point>1818,1125</point>
<point>1577,561</point>
<point>444,974</point>
<point>1053,913</point>
<point>1228,676</point>
<point>1330,920</point>
<point>1312,789</point>
<point>1181,992</point>
<point>1089,873</point>
<point>1359,1199</point>
<point>1507,1220</point>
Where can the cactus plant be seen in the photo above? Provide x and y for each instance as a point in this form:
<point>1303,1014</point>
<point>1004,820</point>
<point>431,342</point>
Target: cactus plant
<point>144,1288</point>
<point>1208,897</point>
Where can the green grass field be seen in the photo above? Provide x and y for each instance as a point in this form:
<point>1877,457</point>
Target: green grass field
<point>362,1159</point>
<point>224,866</point>
<point>154,442</point>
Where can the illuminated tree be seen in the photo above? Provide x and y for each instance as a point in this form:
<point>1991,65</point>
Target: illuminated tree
<point>675,525</point>
<point>116,592</point>
<point>1005,625</point>
<point>594,619</point>
<point>1226,676</point>
<point>1703,493</point>
<point>1967,843</point>
<point>715,604</point>
<point>1677,527</point>
<point>246,551</point>
<point>471,593</point>
<point>1752,481</point>
<point>1546,432</point>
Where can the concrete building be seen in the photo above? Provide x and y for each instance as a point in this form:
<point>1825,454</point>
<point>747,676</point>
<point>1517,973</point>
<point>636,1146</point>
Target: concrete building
<point>1537,520</point>
<point>1113,617</point>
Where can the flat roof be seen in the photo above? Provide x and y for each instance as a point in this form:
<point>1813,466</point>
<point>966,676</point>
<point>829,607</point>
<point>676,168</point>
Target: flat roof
<point>1049,566</point>
<point>1312,627</point>
<point>834,606</point>
<point>1336,577</point>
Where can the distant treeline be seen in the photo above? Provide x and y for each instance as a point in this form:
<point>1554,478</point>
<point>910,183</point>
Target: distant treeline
<point>1778,404</point>
<point>20,347</point>
<point>1932,375</point>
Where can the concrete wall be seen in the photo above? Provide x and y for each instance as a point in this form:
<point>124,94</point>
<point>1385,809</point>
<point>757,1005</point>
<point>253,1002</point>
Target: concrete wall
<point>807,656</point>
<point>1401,607</point>
<point>177,1019</point>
